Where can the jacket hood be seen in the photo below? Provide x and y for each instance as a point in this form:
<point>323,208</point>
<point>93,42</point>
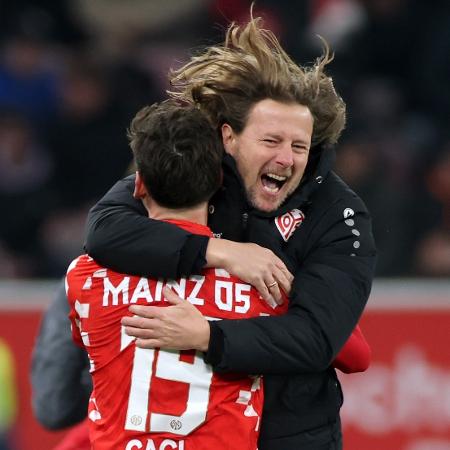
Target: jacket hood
<point>319,166</point>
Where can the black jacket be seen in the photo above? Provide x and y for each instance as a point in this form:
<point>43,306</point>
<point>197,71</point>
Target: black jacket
<point>332,255</point>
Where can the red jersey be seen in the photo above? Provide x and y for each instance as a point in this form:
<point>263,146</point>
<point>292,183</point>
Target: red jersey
<point>152,399</point>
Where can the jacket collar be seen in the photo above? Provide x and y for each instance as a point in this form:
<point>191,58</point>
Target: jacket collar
<point>319,166</point>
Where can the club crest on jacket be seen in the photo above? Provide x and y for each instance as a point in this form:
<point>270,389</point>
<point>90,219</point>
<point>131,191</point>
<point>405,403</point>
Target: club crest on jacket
<point>288,222</point>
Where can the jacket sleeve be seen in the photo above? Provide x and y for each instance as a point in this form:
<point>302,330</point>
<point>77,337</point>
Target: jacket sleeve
<point>355,355</point>
<point>120,235</point>
<point>60,379</point>
<point>330,290</point>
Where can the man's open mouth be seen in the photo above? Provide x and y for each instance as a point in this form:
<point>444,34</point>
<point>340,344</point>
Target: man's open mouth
<point>272,182</point>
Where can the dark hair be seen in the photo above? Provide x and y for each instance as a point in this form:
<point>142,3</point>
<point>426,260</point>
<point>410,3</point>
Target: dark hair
<point>177,153</point>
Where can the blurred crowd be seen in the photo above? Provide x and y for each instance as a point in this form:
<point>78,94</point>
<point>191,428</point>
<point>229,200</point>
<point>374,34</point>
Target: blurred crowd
<point>74,72</point>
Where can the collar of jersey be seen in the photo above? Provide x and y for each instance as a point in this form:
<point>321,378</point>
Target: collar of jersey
<point>191,227</point>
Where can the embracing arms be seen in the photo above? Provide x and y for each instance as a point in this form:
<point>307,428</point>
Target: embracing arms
<point>121,236</point>
<point>329,293</point>
<point>330,289</point>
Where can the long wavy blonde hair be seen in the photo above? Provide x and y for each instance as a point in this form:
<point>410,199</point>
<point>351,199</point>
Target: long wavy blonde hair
<point>226,81</point>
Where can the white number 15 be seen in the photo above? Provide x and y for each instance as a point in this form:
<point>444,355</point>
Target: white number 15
<point>169,367</point>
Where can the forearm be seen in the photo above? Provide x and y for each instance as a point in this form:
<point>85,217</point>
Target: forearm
<point>306,339</point>
<point>270,346</point>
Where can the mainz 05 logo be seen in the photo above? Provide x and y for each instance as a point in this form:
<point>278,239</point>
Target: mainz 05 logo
<point>287,223</point>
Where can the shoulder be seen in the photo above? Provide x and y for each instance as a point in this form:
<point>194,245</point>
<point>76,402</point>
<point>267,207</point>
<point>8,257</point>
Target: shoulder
<point>334,191</point>
<point>335,202</point>
<point>80,273</point>
<point>338,219</point>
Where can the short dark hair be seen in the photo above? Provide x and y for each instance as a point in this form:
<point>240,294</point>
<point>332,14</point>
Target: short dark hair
<point>177,153</point>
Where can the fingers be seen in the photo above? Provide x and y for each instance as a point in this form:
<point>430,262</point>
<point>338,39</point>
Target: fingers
<point>145,331</point>
<point>156,311</point>
<point>139,333</point>
<point>138,322</point>
<point>280,279</point>
<point>284,281</point>
<point>171,297</point>
<point>149,343</point>
<point>284,278</point>
<point>149,312</point>
<point>264,292</point>
<point>275,292</point>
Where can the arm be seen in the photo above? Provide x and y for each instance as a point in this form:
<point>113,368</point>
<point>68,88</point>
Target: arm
<point>59,373</point>
<point>355,355</point>
<point>330,291</point>
<point>120,235</point>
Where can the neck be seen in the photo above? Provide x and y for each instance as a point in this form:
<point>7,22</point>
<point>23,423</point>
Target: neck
<point>197,214</point>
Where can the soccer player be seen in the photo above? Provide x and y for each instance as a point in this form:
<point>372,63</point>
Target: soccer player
<point>154,399</point>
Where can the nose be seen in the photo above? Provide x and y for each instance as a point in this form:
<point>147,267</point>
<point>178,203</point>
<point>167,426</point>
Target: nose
<point>285,156</point>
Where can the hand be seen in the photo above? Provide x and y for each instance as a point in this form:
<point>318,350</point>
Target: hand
<point>180,326</point>
<point>253,264</point>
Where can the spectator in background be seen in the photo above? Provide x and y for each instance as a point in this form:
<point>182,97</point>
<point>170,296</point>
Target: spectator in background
<point>27,83</point>
<point>26,168</point>
<point>87,139</point>
<point>432,255</point>
<point>359,164</point>
<point>89,149</point>
<point>58,22</point>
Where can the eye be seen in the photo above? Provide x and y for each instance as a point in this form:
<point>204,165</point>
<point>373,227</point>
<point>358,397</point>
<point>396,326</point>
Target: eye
<point>270,141</point>
<point>300,148</point>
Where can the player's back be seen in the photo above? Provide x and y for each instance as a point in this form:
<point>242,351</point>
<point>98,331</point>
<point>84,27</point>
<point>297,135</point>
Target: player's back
<point>153,399</point>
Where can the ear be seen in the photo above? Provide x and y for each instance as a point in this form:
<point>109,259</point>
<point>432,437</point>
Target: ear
<point>228,138</point>
<point>140,190</point>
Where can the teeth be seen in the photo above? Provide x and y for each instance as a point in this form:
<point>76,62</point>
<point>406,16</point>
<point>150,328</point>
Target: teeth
<point>270,189</point>
<point>276,177</point>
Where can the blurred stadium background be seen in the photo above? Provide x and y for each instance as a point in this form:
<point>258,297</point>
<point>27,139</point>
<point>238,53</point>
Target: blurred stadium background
<point>74,72</point>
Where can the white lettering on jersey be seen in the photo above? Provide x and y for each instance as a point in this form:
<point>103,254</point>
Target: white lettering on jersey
<point>158,290</point>
<point>178,286</point>
<point>221,273</point>
<point>82,310</point>
<point>119,295</point>
<point>231,296</point>
<point>166,444</point>
<point>198,280</point>
<point>121,289</point>
<point>142,291</point>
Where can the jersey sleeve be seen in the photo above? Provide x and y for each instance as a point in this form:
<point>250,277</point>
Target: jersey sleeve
<point>121,236</point>
<point>330,291</point>
<point>355,355</point>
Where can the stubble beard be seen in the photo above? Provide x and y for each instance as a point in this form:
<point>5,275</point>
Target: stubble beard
<point>252,199</point>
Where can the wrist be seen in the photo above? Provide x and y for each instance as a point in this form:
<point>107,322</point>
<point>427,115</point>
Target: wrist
<point>204,337</point>
<point>214,353</point>
<point>216,252</point>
